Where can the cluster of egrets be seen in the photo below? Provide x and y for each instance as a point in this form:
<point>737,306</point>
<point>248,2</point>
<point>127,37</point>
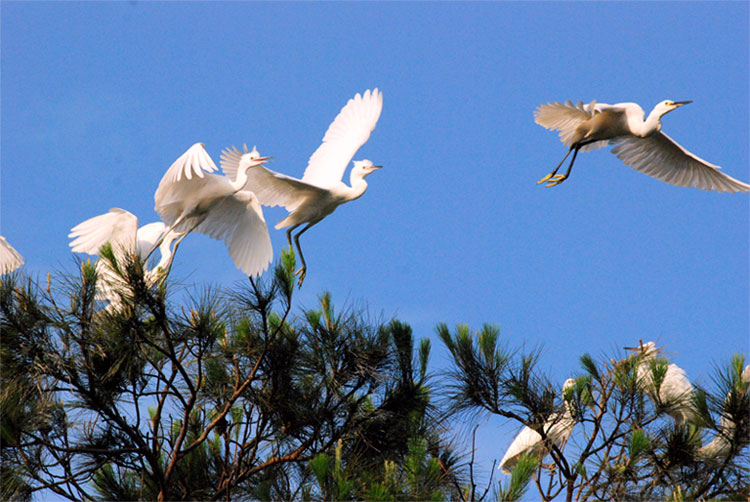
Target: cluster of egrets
<point>674,394</point>
<point>190,197</point>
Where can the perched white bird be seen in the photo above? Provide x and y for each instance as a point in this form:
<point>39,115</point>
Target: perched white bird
<point>639,143</point>
<point>189,199</point>
<point>720,446</point>
<point>557,428</point>
<point>320,191</point>
<point>675,392</point>
<point>120,228</point>
<point>10,259</point>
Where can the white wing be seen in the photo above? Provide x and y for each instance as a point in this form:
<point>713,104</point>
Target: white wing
<point>239,222</point>
<point>565,117</point>
<point>558,427</point>
<point>190,164</point>
<point>147,236</point>
<point>117,227</point>
<point>271,188</point>
<point>660,156</point>
<point>10,259</point>
<point>347,133</point>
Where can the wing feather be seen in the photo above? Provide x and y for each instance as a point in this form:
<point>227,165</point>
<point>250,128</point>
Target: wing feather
<point>663,158</point>
<point>193,163</point>
<point>10,259</point>
<point>270,188</point>
<point>238,221</point>
<point>347,133</point>
<point>118,227</point>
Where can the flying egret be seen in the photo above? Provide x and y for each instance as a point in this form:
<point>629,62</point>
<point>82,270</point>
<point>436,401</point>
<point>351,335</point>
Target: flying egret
<point>639,143</point>
<point>10,259</point>
<point>189,198</point>
<point>120,228</point>
<point>320,191</point>
<point>675,392</point>
<point>557,428</point>
<point>720,446</point>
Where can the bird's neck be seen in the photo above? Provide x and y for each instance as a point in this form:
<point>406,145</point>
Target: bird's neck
<point>165,249</point>
<point>651,125</point>
<point>358,188</point>
<point>241,179</point>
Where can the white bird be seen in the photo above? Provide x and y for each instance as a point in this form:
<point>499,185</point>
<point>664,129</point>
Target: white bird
<point>10,259</point>
<point>720,446</point>
<point>675,392</point>
<point>189,199</point>
<point>557,428</point>
<point>120,228</point>
<point>320,191</point>
<point>639,143</point>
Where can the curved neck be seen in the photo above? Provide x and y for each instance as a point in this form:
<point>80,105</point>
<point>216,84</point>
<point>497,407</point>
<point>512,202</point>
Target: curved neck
<point>241,179</point>
<point>651,125</point>
<point>358,188</point>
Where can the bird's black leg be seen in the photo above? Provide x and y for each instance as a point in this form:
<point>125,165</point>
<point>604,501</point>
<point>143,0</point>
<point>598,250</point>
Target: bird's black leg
<point>556,180</point>
<point>303,269</point>
<point>554,172</point>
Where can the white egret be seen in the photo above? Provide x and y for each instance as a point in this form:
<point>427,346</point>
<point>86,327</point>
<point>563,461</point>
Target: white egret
<point>557,428</point>
<point>639,143</point>
<point>189,199</point>
<point>720,446</point>
<point>320,191</point>
<point>120,228</point>
<point>10,259</point>
<point>675,392</point>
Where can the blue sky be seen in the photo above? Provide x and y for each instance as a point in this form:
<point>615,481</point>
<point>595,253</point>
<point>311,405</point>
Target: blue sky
<point>98,99</point>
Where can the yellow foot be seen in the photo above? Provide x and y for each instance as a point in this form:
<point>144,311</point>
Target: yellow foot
<point>301,273</point>
<point>545,178</point>
<point>556,180</point>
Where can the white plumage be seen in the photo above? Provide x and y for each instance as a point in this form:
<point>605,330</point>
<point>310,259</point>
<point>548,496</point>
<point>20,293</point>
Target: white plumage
<point>189,199</point>
<point>720,446</point>
<point>320,191</point>
<point>120,228</point>
<point>638,142</point>
<point>10,259</point>
<point>557,428</point>
<point>675,391</point>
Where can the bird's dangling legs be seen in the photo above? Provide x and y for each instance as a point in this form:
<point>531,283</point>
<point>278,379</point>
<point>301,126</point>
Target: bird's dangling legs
<point>303,269</point>
<point>554,172</point>
<point>559,178</point>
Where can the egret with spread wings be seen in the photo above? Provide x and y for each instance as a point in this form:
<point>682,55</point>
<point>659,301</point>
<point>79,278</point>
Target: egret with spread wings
<point>639,143</point>
<point>120,228</point>
<point>191,198</point>
<point>320,191</point>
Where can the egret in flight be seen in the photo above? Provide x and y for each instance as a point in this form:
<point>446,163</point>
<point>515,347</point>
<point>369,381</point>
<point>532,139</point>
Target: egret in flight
<point>557,428</point>
<point>190,198</point>
<point>639,143</point>
<point>675,392</point>
<point>120,228</point>
<point>320,191</point>
<point>10,259</point>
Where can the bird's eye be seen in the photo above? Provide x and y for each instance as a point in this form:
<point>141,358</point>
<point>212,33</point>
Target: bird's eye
<point>670,103</point>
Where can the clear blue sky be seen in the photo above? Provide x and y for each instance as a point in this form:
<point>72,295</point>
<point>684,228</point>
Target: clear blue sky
<point>98,99</point>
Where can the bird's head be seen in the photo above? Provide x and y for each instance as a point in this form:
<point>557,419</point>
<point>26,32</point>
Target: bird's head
<point>668,105</point>
<point>648,349</point>
<point>252,158</point>
<point>362,168</point>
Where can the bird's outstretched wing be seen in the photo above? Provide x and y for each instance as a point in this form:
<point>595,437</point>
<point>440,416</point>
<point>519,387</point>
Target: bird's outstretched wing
<point>117,227</point>
<point>10,259</point>
<point>271,188</point>
<point>660,156</point>
<point>565,118</point>
<point>238,221</point>
<point>194,163</point>
<point>526,441</point>
<point>347,133</point>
